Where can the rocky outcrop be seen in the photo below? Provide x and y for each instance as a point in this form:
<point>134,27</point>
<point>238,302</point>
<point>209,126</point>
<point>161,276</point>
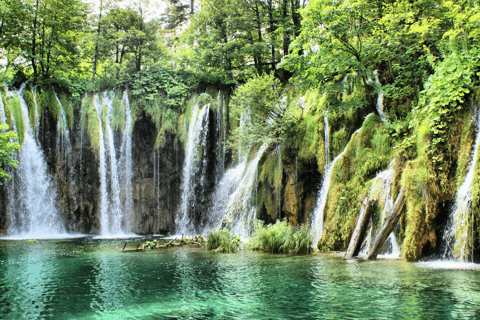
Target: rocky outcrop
<point>156,179</point>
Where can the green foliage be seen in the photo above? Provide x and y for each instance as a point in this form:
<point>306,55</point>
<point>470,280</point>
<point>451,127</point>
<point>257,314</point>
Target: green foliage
<point>7,148</point>
<point>150,244</point>
<point>222,240</point>
<point>280,238</point>
<point>444,96</point>
<point>268,119</point>
<point>90,123</point>
<point>15,108</point>
<point>368,152</point>
<point>421,192</point>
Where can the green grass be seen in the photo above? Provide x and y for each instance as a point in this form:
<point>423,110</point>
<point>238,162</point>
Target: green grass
<point>280,238</point>
<point>222,240</point>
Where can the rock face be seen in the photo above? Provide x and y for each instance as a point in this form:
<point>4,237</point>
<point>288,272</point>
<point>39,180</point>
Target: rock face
<point>301,183</point>
<point>156,179</point>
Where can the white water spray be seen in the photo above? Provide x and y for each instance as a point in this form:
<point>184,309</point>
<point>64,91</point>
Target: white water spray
<point>240,211</point>
<point>32,211</point>
<point>316,228</point>
<point>198,125</point>
<point>459,230</point>
<point>379,98</point>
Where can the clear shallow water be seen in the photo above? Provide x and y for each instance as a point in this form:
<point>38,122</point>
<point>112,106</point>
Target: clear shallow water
<point>88,279</point>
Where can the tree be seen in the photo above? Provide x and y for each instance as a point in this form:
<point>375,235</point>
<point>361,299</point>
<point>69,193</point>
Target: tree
<point>7,148</point>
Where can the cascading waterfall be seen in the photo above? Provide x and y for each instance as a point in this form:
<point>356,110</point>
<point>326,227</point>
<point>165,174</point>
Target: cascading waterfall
<point>32,211</point>
<point>223,191</point>
<point>316,228</point>
<point>459,230</point>
<point>104,225</point>
<point>381,190</point>
<point>115,211</point>
<point>198,126</point>
<point>126,167</point>
<point>239,212</point>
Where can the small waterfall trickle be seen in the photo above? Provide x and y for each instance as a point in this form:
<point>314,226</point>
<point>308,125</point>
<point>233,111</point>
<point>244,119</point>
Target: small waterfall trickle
<point>316,228</point>
<point>240,211</point>
<point>37,116</point>
<point>3,118</point>
<point>198,128</point>
<point>460,227</point>
<point>379,98</point>
<point>327,141</point>
<point>64,146</point>
<point>220,132</point>
<point>32,211</point>
<point>381,190</point>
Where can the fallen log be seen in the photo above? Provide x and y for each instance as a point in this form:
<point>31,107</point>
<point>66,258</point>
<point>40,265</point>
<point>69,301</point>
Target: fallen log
<point>361,228</point>
<point>388,225</point>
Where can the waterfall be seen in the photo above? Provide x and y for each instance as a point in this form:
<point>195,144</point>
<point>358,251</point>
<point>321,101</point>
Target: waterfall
<point>64,146</point>
<point>102,170</point>
<point>381,190</point>
<point>327,142</point>
<point>3,118</point>
<point>116,177</point>
<point>220,132</point>
<point>198,126</point>
<point>460,227</point>
<point>32,211</point>
<point>239,212</point>
<point>379,98</point>
<point>126,167</point>
<point>316,228</point>
<point>37,116</point>
<point>223,191</point>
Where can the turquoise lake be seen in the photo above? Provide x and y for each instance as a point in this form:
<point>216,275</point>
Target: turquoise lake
<point>89,279</point>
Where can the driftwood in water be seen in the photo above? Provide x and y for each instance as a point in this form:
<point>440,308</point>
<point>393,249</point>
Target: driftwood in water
<point>155,245</point>
<point>388,225</point>
<point>361,227</point>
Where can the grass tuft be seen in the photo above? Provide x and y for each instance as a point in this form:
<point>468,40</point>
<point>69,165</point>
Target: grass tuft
<point>280,238</point>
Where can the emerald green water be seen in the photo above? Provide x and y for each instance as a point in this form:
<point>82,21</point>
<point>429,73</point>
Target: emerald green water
<point>89,279</point>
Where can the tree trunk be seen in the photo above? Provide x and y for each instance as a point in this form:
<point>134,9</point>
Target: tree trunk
<point>361,228</point>
<point>34,42</point>
<point>388,225</point>
<point>95,58</point>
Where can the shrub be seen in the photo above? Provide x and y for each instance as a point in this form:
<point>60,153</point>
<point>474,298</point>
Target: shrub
<point>222,240</point>
<point>280,238</point>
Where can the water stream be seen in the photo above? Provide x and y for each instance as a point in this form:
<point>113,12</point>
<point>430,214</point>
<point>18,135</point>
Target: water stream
<point>379,98</point>
<point>196,141</point>
<point>32,211</point>
<point>459,232</point>
<point>316,227</point>
<point>240,211</point>
<point>115,175</point>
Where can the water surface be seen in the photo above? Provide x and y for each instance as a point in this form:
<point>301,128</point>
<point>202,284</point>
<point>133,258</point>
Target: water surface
<point>89,279</point>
